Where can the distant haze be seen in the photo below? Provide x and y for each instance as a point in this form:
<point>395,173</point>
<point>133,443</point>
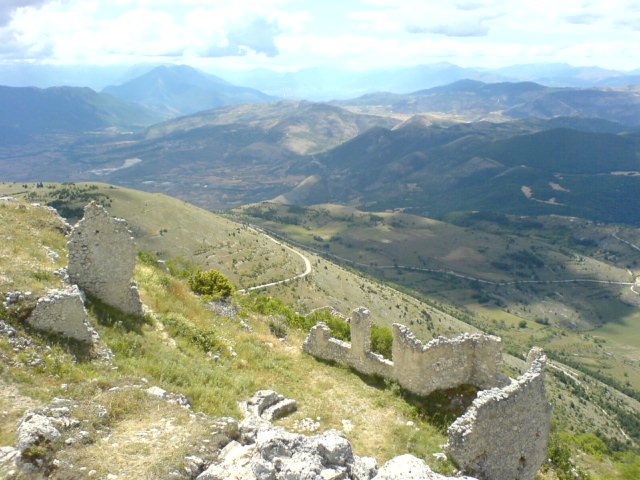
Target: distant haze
<point>328,83</point>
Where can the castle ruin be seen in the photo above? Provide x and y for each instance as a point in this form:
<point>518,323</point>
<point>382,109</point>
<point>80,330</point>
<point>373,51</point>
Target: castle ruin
<point>503,436</point>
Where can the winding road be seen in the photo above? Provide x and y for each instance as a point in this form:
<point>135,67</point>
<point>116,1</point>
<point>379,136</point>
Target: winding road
<point>451,273</point>
<point>307,263</point>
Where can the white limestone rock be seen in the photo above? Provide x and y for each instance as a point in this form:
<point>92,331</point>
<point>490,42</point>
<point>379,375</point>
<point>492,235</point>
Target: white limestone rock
<point>408,467</point>
<point>63,312</point>
<point>36,430</point>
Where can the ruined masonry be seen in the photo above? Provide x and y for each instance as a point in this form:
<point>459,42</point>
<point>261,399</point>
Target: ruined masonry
<point>420,368</point>
<point>62,312</point>
<point>503,436</point>
<point>505,433</point>
<point>102,257</point>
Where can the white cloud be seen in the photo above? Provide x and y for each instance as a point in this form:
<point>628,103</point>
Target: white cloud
<point>9,7</point>
<point>295,33</point>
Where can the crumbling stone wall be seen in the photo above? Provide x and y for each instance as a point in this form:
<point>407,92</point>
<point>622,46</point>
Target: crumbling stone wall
<point>102,256</point>
<point>420,368</point>
<point>62,312</point>
<point>504,435</point>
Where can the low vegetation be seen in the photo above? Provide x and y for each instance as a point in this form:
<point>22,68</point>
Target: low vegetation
<point>217,359</point>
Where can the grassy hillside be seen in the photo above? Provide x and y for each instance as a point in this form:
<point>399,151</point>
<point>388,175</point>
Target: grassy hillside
<point>163,351</point>
<point>498,271</point>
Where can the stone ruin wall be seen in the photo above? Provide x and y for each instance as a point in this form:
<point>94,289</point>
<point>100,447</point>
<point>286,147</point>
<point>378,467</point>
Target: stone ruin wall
<point>102,257</point>
<point>505,432</point>
<point>446,363</point>
<point>62,312</point>
<point>503,436</point>
<point>420,368</point>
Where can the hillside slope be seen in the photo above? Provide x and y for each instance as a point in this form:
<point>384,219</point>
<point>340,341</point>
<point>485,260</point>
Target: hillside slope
<point>508,168</point>
<point>67,110</point>
<point>261,360</point>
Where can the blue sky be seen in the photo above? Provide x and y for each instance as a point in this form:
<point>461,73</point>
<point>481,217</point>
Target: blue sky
<point>294,34</point>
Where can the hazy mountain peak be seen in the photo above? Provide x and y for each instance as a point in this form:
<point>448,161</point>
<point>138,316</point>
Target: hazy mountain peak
<point>179,89</point>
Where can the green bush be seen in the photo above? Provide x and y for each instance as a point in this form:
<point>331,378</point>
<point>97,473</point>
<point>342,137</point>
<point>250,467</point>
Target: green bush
<point>204,339</point>
<point>382,340</point>
<point>339,328</point>
<point>211,284</point>
<point>148,258</point>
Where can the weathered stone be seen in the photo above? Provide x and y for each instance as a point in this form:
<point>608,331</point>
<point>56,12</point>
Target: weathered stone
<point>36,430</point>
<point>505,432</point>
<point>102,257</point>
<point>156,391</point>
<point>225,429</point>
<point>280,409</point>
<point>63,312</point>
<point>235,465</point>
<point>408,467</point>
<point>420,368</point>
<point>334,448</point>
<point>364,468</point>
<point>193,465</point>
<point>269,405</point>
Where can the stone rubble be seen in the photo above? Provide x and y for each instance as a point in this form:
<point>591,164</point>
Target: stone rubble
<point>177,398</point>
<point>265,452</point>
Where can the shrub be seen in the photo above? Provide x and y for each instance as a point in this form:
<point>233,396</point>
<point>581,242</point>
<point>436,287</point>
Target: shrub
<point>339,328</point>
<point>382,340</point>
<point>211,284</point>
<point>204,339</point>
<point>148,258</point>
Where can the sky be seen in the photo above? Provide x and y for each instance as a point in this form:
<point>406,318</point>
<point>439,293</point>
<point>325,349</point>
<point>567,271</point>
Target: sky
<point>295,34</point>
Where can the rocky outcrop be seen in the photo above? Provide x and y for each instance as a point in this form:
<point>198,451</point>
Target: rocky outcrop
<point>102,257</point>
<point>265,452</point>
<point>62,312</point>
<point>473,359</point>
<point>504,435</point>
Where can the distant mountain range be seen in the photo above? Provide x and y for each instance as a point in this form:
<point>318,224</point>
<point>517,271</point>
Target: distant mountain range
<point>569,151</point>
<point>28,111</point>
<point>333,83</point>
<point>324,83</point>
<point>181,90</point>
<point>474,100</point>
<point>306,153</point>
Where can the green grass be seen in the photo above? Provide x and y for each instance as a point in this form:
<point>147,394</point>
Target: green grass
<point>181,354</point>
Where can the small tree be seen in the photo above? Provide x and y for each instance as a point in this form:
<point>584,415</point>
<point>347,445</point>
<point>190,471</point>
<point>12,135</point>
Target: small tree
<point>211,284</point>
